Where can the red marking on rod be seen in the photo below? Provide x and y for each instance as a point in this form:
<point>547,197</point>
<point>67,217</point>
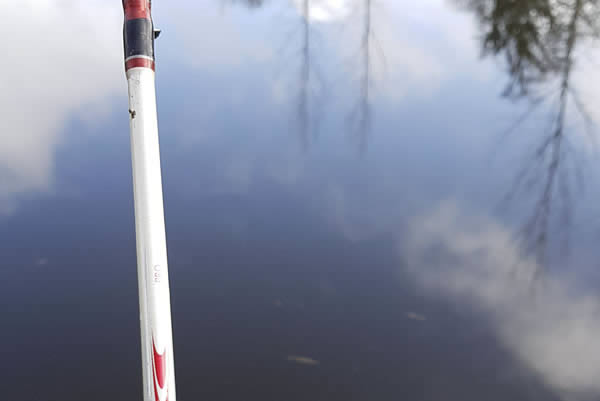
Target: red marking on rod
<point>155,389</point>
<point>135,9</point>
<point>159,368</point>
<point>160,365</point>
<point>139,62</point>
<point>156,397</point>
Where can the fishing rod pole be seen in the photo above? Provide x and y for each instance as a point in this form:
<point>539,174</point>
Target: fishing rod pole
<point>153,278</point>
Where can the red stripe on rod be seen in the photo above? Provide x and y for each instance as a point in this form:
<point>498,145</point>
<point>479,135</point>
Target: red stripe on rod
<point>161,367</point>
<point>135,9</point>
<point>139,62</point>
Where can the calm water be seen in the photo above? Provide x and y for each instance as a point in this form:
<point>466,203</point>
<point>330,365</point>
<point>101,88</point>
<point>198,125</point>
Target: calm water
<point>365,200</point>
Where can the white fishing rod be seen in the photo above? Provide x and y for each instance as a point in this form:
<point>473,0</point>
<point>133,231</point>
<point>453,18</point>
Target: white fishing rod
<point>153,278</point>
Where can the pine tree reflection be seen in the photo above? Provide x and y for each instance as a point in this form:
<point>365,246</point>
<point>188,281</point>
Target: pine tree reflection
<point>538,40</point>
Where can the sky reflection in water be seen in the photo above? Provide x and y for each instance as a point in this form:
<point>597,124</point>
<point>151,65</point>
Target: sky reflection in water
<point>364,200</point>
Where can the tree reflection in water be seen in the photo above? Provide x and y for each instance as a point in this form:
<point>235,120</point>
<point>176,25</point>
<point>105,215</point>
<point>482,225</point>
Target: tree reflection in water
<point>303,102</point>
<point>538,40</point>
<point>362,114</point>
<point>311,87</point>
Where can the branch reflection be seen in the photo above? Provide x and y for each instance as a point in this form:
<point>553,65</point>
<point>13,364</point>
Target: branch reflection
<point>247,3</point>
<point>363,112</point>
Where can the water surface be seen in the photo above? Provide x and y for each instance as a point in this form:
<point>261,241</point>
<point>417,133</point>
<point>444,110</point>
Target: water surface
<point>365,200</point>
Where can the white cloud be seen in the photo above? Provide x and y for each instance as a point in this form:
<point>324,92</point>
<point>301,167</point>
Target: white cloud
<point>552,326</point>
<point>324,10</point>
<point>209,37</point>
<point>425,44</point>
<point>60,57</point>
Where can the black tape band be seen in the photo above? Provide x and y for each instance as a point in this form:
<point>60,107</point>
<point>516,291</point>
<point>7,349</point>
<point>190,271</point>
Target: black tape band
<point>138,38</point>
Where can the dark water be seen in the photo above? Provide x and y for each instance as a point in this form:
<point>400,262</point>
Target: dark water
<point>308,148</point>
